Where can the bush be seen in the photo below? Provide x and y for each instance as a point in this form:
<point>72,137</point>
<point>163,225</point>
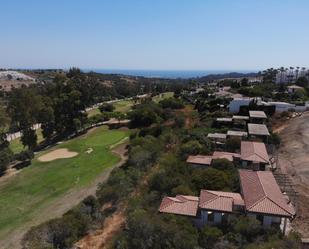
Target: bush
<point>171,103</point>
<point>233,144</point>
<point>106,107</point>
<point>190,148</point>
<point>210,179</point>
<point>222,164</point>
<point>62,232</point>
<point>209,236</point>
<point>24,155</point>
<point>5,158</point>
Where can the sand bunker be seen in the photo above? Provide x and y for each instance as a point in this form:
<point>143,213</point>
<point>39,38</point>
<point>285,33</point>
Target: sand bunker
<point>57,154</point>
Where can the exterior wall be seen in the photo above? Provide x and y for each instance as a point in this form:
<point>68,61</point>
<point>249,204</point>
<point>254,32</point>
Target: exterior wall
<point>204,219</point>
<point>198,166</point>
<point>267,220</point>
<point>235,104</point>
<point>218,218</point>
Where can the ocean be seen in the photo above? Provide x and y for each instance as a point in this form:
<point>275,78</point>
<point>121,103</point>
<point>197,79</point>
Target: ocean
<point>170,74</point>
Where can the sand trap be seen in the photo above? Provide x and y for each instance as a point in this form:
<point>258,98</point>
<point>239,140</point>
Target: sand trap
<point>89,150</point>
<point>57,154</point>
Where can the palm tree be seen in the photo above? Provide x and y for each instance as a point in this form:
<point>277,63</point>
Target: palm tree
<point>296,73</point>
<point>282,70</point>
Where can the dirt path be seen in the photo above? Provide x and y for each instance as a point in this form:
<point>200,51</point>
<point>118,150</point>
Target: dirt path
<point>102,237</point>
<point>294,161</point>
<point>64,203</point>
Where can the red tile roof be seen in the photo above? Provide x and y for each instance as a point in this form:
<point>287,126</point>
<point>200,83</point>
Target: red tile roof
<point>181,204</point>
<point>263,195</point>
<point>200,159</point>
<point>254,152</point>
<point>219,201</point>
<point>225,155</point>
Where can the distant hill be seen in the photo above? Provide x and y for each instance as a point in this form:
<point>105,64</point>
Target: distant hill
<point>234,75</point>
<point>10,78</point>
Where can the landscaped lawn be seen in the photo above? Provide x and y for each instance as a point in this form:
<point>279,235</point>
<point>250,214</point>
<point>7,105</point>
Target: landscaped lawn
<point>123,105</point>
<point>93,112</point>
<point>162,96</point>
<point>23,196</point>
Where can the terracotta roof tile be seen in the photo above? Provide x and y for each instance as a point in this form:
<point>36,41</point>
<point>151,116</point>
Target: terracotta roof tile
<point>181,204</point>
<point>254,152</point>
<point>225,155</point>
<point>263,195</point>
<point>219,201</point>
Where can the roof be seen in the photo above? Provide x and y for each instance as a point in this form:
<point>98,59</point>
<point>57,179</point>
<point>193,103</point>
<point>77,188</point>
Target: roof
<point>181,204</point>
<point>295,87</point>
<point>224,119</point>
<point>225,155</point>
<point>254,152</point>
<point>257,114</point>
<point>216,135</point>
<point>240,117</point>
<point>262,194</point>
<point>219,201</point>
<point>258,129</point>
<point>199,159</point>
<point>237,133</point>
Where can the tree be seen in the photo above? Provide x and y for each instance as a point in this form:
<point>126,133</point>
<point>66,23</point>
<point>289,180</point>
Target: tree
<point>29,138</point>
<point>244,82</point>
<point>145,115</point>
<point>47,120</point>
<point>210,179</point>
<point>222,164</point>
<point>107,107</point>
<point>24,108</point>
<point>192,147</point>
<point>302,81</point>
<point>5,152</point>
<point>209,236</point>
<point>233,144</point>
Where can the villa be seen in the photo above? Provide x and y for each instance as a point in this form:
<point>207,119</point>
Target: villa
<point>254,155</point>
<point>260,198</point>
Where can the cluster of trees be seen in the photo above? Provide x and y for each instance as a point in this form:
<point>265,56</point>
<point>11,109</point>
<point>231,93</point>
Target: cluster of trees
<point>5,152</point>
<point>60,105</point>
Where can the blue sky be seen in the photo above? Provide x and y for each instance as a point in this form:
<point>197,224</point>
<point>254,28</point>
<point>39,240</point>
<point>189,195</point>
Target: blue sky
<point>154,34</point>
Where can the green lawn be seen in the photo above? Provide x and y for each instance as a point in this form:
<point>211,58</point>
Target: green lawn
<point>162,96</point>
<point>16,145</point>
<point>123,105</point>
<point>23,196</point>
<point>93,112</point>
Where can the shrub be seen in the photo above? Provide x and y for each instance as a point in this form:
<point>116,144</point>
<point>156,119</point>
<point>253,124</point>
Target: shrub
<point>106,107</point>
<point>171,103</point>
<point>209,236</point>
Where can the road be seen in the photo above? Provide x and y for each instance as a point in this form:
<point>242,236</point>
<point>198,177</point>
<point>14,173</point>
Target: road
<point>294,161</point>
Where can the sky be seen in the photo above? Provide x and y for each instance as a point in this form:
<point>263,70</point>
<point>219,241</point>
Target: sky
<point>154,34</point>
